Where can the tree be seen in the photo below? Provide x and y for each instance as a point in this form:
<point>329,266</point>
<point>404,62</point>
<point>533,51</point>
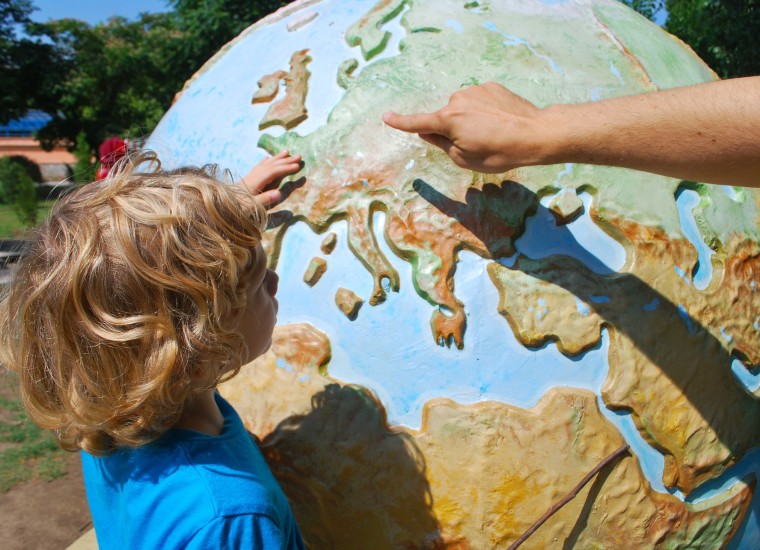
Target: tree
<point>210,24</point>
<point>23,62</point>
<point>18,189</point>
<point>119,77</point>
<point>84,171</point>
<point>647,8</point>
<point>113,78</point>
<point>12,13</point>
<point>724,33</point>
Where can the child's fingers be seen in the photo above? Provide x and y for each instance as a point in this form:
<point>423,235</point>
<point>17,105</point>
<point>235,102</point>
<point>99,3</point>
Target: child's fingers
<point>277,157</point>
<point>286,166</point>
<point>267,199</point>
<point>284,156</point>
<point>270,171</point>
<point>287,161</point>
<point>280,172</point>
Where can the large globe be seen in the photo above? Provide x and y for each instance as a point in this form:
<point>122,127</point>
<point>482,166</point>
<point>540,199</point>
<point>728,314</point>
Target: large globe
<point>456,351</point>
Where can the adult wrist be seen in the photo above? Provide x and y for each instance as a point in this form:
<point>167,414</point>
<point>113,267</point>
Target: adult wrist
<point>558,143</point>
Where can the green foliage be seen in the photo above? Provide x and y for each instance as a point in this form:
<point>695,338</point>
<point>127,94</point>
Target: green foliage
<point>31,167</point>
<point>26,64</point>
<point>213,23</point>
<point>116,78</point>
<point>11,227</point>
<point>647,8</point>
<point>17,188</point>
<point>25,204</point>
<point>85,169</point>
<point>12,13</point>
<point>724,33</point>
<point>113,77</point>
<point>27,451</point>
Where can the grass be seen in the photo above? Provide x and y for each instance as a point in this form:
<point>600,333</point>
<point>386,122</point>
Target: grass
<point>26,451</point>
<point>11,227</point>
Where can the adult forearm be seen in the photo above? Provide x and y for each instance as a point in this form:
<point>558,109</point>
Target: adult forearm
<point>709,132</point>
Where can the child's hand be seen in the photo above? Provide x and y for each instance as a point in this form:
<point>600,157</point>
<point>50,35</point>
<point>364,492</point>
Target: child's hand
<point>269,171</point>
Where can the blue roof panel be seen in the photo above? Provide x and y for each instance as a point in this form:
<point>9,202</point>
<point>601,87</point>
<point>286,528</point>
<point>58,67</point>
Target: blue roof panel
<point>26,125</point>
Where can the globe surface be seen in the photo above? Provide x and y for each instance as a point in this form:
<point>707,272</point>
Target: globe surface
<point>456,351</point>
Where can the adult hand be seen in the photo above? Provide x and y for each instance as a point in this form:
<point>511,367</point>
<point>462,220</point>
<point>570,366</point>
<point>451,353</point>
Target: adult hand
<point>485,128</point>
<point>268,172</point>
<point>705,132</point>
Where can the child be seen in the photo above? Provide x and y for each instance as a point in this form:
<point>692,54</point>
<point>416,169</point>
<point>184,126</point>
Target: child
<point>138,296</point>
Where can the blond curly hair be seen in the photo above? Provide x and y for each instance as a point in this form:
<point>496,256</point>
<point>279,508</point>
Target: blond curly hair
<point>120,311</point>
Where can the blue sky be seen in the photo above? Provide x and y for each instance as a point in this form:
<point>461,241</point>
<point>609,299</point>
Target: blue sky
<point>94,11</point>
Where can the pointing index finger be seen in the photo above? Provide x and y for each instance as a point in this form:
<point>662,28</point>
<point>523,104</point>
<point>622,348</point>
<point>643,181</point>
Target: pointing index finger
<point>420,123</point>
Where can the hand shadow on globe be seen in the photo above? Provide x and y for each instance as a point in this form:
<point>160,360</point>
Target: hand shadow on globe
<point>352,481</point>
<point>285,217</point>
<point>697,414</point>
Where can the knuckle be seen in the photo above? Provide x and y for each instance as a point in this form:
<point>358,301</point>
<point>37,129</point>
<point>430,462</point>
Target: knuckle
<point>440,116</point>
<point>457,96</point>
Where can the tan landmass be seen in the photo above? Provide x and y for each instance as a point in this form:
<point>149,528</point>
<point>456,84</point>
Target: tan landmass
<point>367,30</point>
<point>352,481</point>
<point>328,243</point>
<point>494,469</point>
<point>348,302</point>
<point>332,199</point>
<point>290,111</point>
<point>303,352</point>
<point>661,351</point>
<point>474,476</point>
<point>425,225</point>
<point>734,305</point>
<point>566,207</point>
<point>269,85</point>
<point>314,272</point>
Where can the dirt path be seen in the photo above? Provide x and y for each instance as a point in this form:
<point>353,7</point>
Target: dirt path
<point>43,514</point>
<point>38,514</point>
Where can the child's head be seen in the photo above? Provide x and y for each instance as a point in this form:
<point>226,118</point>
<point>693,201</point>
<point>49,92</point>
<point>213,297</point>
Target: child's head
<point>129,302</point>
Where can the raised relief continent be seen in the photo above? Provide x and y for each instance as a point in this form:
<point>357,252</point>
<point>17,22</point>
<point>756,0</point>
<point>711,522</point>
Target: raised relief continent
<point>269,85</point>
<point>516,463</point>
<point>661,351</point>
<point>474,476</point>
<point>354,166</point>
<point>367,31</point>
<point>666,339</point>
<point>290,111</point>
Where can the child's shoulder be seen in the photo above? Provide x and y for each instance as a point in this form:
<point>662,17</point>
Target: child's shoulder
<point>183,483</point>
<point>237,478</point>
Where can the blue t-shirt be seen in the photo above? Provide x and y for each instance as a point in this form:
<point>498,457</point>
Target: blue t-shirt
<point>190,490</point>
